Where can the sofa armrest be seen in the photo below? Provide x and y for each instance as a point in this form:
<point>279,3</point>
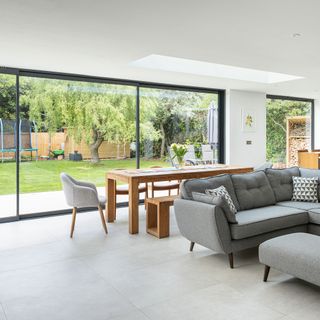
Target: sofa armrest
<point>204,224</point>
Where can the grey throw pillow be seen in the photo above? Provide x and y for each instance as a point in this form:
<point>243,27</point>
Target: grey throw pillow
<point>222,192</point>
<point>218,201</point>
<point>305,189</point>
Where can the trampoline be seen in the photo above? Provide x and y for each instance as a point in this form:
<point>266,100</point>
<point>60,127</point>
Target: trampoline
<point>8,137</point>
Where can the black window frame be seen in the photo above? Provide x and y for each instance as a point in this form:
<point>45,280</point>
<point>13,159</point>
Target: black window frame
<point>290,98</point>
<point>21,72</point>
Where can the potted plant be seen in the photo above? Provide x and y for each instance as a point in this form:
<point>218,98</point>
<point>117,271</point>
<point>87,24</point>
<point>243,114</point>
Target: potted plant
<point>179,151</point>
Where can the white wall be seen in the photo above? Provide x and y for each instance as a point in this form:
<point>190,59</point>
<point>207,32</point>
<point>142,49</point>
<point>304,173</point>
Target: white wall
<point>238,152</point>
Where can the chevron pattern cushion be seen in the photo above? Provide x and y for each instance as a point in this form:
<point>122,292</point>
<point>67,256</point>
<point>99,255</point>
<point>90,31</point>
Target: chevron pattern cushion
<point>305,189</point>
<point>222,192</point>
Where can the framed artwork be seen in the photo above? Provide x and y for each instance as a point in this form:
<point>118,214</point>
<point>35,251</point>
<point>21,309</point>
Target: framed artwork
<point>248,119</point>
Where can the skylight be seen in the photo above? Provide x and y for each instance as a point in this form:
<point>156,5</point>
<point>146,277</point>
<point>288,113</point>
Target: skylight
<point>166,63</point>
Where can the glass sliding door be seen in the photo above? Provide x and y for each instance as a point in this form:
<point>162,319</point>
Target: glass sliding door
<point>86,126</point>
<point>288,130</point>
<point>82,128</point>
<point>8,135</point>
<point>177,116</point>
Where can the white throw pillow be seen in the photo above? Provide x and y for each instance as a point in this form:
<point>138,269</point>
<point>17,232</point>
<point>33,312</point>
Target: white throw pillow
<point>305,189</point>
<point>222,192</point>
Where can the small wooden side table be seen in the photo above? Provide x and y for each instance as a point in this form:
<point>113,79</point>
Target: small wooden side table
<point>158,213</point>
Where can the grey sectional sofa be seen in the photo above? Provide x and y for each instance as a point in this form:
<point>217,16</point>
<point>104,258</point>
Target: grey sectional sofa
<point>263,202</point>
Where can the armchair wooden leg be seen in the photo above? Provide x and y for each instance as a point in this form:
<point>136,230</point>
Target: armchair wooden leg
<point>230,255</point>
<point>191,246</point>
<point>73,222</point>
<point>104,225</point>
<point>266,273</point>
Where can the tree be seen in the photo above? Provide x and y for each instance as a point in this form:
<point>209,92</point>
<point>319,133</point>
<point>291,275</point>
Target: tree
<point>8,98</point>
<point>277,113</point>
<point>178,116</point>
<point>93,112</point>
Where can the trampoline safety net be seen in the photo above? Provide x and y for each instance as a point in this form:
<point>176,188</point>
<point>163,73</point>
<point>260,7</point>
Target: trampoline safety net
<point>8,136</point>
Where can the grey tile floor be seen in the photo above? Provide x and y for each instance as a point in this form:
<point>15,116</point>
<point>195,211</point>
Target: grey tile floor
<point>45,275</point>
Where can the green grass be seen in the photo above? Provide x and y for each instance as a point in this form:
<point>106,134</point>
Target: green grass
<point>44,175</point>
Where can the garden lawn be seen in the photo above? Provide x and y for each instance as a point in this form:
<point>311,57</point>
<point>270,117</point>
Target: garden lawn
<point>37,176</point>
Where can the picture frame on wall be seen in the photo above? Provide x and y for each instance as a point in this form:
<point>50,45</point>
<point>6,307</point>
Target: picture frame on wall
<point>248,119</point>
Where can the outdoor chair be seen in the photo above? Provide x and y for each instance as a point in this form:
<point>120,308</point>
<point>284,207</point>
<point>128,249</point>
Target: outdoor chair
<point>190,156</point>
<point>207,153</point>
<point>81,194</point>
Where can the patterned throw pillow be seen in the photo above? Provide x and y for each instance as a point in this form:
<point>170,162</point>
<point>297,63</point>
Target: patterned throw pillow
<point>305,189</point>
<point>222,192</point>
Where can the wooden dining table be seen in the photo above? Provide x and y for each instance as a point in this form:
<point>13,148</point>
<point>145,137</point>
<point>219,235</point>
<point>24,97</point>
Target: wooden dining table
<point>134,177</point>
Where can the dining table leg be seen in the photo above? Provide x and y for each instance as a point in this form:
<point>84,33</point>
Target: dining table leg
<point>111,199</point>
<point>133,206</point>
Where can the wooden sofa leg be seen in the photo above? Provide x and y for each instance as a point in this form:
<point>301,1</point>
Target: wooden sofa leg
<point>73,222</point>
<point>191,246</point>
<point>230,255</point>
<point>266,273</point>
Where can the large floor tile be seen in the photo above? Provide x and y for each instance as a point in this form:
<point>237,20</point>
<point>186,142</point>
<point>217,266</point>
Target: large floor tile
<point>285,293</point>
<point>309,312</point>
<point>50,277</point>
<point>157,283</point>
<point>62,290</point>
<point>2,314</point>
<point>96,301</point>
<point>23,234</point>
<point>25,257</point>
<point>134,315</point>
<point>116,263</point>
<point>217,302</point>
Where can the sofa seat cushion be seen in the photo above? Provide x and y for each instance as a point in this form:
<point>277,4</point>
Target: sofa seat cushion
<point>314,216</point>
<point>262,220</point>
<point>300,205</point>
<point>201,185</point>
<point>281,182</point>
<point>253,190</point>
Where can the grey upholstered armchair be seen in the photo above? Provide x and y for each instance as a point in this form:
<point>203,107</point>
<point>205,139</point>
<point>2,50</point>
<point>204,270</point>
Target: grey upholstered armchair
<point>80,194</point>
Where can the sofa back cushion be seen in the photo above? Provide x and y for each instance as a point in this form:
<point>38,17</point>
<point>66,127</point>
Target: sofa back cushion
<point>253,190</point>
<point>310,173</point>
<point>201,185</point>
<point>281,182</point>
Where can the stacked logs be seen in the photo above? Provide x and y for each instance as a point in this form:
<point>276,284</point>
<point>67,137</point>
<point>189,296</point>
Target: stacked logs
<point>295,145</point>
<point>297,140</point>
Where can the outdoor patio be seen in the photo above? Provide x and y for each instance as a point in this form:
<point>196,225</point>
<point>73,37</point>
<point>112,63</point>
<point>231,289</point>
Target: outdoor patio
<point>45,202</point>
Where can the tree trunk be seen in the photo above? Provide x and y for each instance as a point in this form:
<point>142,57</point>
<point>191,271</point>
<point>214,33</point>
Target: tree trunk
<point>94,147</point>
<point>163,141</point>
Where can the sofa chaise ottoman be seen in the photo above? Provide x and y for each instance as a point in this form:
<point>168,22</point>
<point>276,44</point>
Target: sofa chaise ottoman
<point>265,210</point>
<point>297,254</point>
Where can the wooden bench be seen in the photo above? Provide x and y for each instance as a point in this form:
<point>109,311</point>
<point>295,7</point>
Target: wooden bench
<point>158,212</point>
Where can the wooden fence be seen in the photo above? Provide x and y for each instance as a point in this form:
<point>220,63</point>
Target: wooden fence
<point>61,140</point>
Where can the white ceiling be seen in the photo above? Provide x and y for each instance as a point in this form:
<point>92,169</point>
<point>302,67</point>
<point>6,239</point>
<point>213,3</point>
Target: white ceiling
<point>102,37</point>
